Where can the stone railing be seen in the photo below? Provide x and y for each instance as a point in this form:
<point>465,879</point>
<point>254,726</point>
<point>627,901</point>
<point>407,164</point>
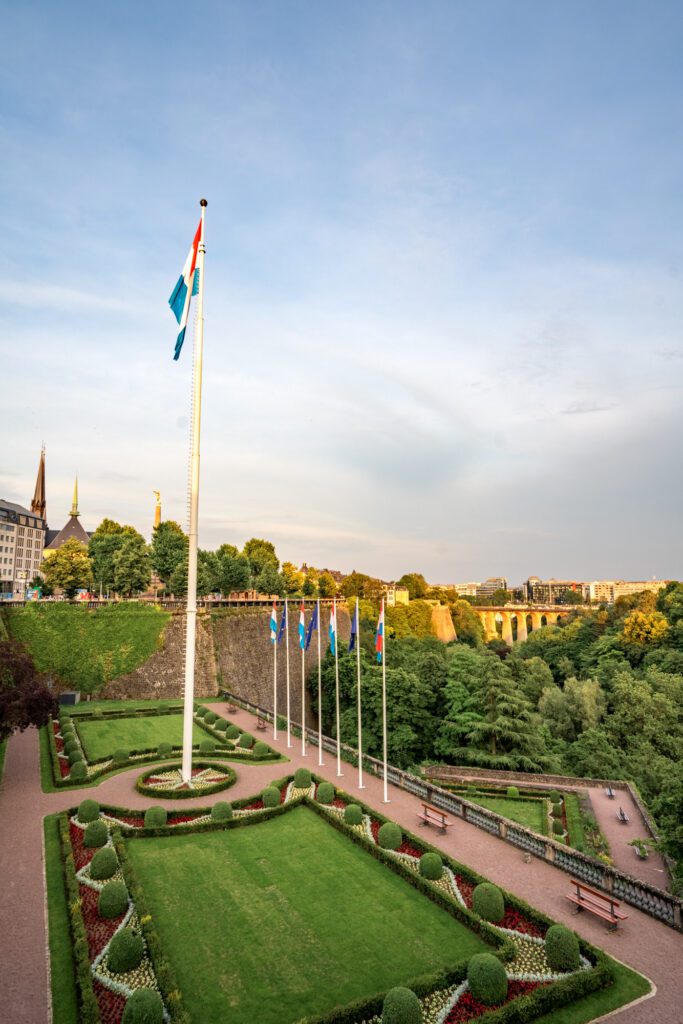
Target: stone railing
<point>656,902</point>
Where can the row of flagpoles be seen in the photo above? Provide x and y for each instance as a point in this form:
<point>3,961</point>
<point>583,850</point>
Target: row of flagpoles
<point>305,636</point>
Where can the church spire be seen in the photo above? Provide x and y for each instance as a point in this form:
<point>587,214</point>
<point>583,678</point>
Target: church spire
<point>38,504</point>
<point>74,503</point>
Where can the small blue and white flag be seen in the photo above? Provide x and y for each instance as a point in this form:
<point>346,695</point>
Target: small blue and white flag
<point>283,623</point>
<point>354,628</point>
<point>273,624</point>
<point>302,627</point>
<point>187,286</point>
<point>332,631</point>
<point>313,624</point>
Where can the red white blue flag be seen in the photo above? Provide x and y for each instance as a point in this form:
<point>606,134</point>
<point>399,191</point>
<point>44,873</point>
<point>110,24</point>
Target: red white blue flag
<point>379,637</point>
<point>187,286</point>
<point>302,627</point>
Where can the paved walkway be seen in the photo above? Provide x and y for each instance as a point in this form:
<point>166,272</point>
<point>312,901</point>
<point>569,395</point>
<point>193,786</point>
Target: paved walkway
<point>643,943</point>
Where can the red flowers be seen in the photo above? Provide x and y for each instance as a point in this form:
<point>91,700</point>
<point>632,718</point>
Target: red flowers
<point>98,929</point>
<point>516,921</point>
<point>111,1005</point>
<point>468,1008</point>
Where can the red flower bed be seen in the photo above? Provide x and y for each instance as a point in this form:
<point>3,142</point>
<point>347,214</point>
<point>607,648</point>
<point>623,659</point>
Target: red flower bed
<point>338,802</point>
<point>82,854</point>
<point>469,1008</point>
<point>407,847</point>
<point>55,727</point>
<point>255,805</point>
<point>466,888</point>
<point>182,819</point>
<point>64,767</point>
<point>517,922</point>
<point>111,1005</point>
<point>98,929</point>
<point>136,820</point>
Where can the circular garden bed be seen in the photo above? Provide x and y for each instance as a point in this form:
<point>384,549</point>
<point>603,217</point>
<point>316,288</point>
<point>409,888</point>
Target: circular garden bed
<point>207,777</point>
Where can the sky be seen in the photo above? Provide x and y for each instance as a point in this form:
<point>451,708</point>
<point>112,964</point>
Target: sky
<point>443,303</point>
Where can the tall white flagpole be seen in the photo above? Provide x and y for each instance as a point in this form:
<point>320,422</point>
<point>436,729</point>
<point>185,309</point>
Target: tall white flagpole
<point>360,724</point>
<point>320,692</point>
<point>191,618</point>
<point>275,680</point>
<point>336,683</point>
<point>302,642</point>
<point>384,702</point>
<point>289,723</point>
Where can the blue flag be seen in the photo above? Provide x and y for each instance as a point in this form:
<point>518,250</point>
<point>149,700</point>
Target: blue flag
<point>354,628</point>
<point>283,622</point>
<point>313,624</point>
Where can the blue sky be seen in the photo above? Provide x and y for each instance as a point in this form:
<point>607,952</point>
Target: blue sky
<point>443,290</point>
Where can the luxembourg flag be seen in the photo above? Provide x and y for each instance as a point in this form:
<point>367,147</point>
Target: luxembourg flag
<point>273,624</point>
<point>379,639</point>
<point>302,628</point>
<point>187,286</point>
<point>332,631</point>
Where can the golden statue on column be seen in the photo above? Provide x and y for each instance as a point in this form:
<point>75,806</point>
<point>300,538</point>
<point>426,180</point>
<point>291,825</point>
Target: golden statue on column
<point>157,509</point>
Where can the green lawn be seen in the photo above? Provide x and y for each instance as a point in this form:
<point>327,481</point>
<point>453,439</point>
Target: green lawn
<point>287,918</point>
<point>530,813</point>
<point>86,707</point>
<point>100,738</point>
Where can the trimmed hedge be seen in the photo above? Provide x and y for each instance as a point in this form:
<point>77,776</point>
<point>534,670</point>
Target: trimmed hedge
<point>126,950</point>
<point>390,836</point>
<point>353,814</point>
<point>487,979</point>
<point>88,810</point>
<point>156,817</point>
<point>164,750</point>
<point>326,792</point>
<point>512,791</point>
<point>558,827</point>
<point>96,834</point>
<point>210,717</point>
<point>554,796</point>
<point>70,746</point>
<point>401,1006</point>
<point>75,755</point>
<point>302,778</point>
<point>113,900</point>
<point>270,796</point>
<point>487,901</point>
<point>121,756</point>
<point>184,794</point>
<point>207,747</point>
<point>261,749</point>
<point>431,866</point>
<point>246,741</point>
<point>79,772</point>
<point>232,732</point>
<point>221,725</point>
<point>104,864</point>
<point>201,712</point>
<point>145,1006</point>
<point>562,949</point>
<point>221,811</point>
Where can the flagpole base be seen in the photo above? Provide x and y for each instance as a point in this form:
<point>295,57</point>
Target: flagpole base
<point>340,775</point>
<point>361,785</point>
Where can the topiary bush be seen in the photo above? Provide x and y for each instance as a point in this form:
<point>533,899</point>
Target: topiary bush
<point>222,811</point>
<point>79,772</point>
<point>558,828</point>
<point>156,817</point>
<point>353,814</point>
<point>555,797</point>
<point>302,778</point>
<point>98,713</point>
<point>75,755</point>
<point>88,810</point>
<point>325,793</point>
<point>125,951</point>
<point>165,750</point>
<point>390,836</point>
<point>104,864</point>
<point>431,866</point>
<point>113,900</point>
<point>271,797</point>
<point>121,756</point>
<point>487,979</point>
<point>70,745</point>
<point>201,711</point>
<point>562,949</point>
<point>261,749</point>
<point>512,791</point>
<point>210,717</point>
<point>487,901</point>
<point>207,747</point>
<point>401,1006</point>
<point>96,834</point>
<point>143,1007</point>
<point>232,732</point>
<point>246,741</point>
<point>221,725</point>
<point>556,810</point>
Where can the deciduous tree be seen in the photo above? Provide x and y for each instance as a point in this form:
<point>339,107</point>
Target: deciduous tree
<point>68,568</point>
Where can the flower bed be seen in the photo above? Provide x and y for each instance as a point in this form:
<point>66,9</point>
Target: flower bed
<point>206,778</point>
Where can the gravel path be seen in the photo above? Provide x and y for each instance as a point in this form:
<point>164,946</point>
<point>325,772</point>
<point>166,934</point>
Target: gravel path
<point>641,942</point>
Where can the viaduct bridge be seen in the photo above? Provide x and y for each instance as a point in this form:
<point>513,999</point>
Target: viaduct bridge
<point>517,621</point>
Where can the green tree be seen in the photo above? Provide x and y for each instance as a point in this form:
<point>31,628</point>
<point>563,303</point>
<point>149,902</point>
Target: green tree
<point>292,578</point>
<point>357,584</point>
<point>309,587</point>
<point>415,584</point>
<point>132,566</point>
<point>469,628</point>
<point>169,549</point>
<point>104,545</point>
<point>233,571</point>
<point>668,810</point>
<point>269,581</point>
<point>670,602</point>
<point>207,571</point>
<point>260,553</point>
<point>68,568</point>
<point>644,629</point>
<point>326,585</point>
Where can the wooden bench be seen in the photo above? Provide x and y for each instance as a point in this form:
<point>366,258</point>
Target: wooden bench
<point>433,816</point>
<point>622,816</point>
<point>232,709</point>
<point>609,792</point>
<point>260,725</point>
<point>599,903</point>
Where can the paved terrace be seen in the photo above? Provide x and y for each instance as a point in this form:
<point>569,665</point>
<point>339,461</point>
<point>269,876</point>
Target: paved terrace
<point>645,944</point>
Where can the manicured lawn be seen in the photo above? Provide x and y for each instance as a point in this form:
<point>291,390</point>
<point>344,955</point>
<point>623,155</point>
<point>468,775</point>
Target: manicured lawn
<point>287,918</point>
<point>86,707</point>
<point>102,738</point>
<point>530,813</point>
<point>628,985</point>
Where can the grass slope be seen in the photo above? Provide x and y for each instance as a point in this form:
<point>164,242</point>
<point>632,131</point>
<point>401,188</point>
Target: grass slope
<point>286,919</point>
<point>102,738</point>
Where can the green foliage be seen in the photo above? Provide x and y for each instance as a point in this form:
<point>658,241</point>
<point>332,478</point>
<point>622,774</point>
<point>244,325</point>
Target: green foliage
<point>325,793</point>
<point>561,948</point>
<point>558,827</point>
<point>415,584</point>
<point>401,1006</point>
<point>221,811</point>
<point>113,900</point>
<point>555,797</point>
<point>78,772</point>
<point>245,741</point>
<point>487,901</point>
<point>353,814</point>
<point>512,791</point>
<point>104,864</point>
<point>409,620</point>
<point>201,711</point>
<point>207,747</point>
<point>271,797</point>
<point>75,755</point>
<point>210,717</point>
<point>88,810</point>
<point>168,550</point>
<point>68,568</point>
<point>557,810</point>
<point>70,746</point>
<point>487,979</point>
<point>121,756</point>
<point>145,1006</point>
<point>431,866</point>
<point>155,817</point>
<point>261,748</point>
<point>126,950</point>
<point>390,836</point>
<point>96,834</point>
<point>302,778</point>
<point>232,732</point>
<point>221,725</point>
<point>132,567</point>
<point>165,750</point>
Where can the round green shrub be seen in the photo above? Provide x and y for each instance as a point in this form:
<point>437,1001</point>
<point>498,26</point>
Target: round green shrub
<point>210,717</point>
<point>221,725</point>
<point>512,791</point>
<point>98,713</point>
<point>246,741</point>
<point>162,709</point>
<point>556,810</point>
<point>487,901</point>
<point>390,836</point>
<point>232,732</point>
<point>143,1007</point>
<point>555,797</point>
<point>325,794</point>
<point>75,755</point>
<point>88,810</point>
<point>302,778</point>
<point>104,864</point>
<point>271,797</point>
<point>70,746</point>
<point>121,756</point>
<point>222,811</point>
<point>353,814</point>
<point>68,734</point>
<point>401,1006</point>
<point>558,828</point>
<point>165,750</point>
<point>65,720</point>
<point>96,834</point>
<point>207,747</point>
<point>156,817</point>
<point>431,866</point>
<point>487,979</point>
<point>261,749</point>
<point>79,772</point>
<point>113,900</point>
<point>201,711</point>
<point>562,949</point>
<point>125,951</point>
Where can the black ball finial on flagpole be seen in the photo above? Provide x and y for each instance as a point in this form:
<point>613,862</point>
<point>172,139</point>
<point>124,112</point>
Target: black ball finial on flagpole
<point>203,202</point>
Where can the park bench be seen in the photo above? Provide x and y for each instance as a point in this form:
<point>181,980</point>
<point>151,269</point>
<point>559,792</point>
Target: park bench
<point>433,816</point>
<point>260,725</point>
<point>622,816</point>
<point>232,709</point>
<point>609,792</point>
<point>599,903</point>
